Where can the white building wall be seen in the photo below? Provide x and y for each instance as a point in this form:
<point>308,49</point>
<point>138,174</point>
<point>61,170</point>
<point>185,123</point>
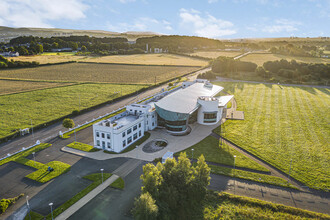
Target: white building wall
<point>208,106</point>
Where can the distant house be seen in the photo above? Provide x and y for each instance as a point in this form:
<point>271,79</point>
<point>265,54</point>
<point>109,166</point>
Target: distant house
<point>9,54</point>
<point>65,49</point>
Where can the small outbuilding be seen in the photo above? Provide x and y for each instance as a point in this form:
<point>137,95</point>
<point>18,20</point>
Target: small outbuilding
<point>167,155</point>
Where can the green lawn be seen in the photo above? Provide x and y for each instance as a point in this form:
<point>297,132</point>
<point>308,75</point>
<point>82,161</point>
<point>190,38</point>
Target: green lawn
<point>118,183</point>
<point>43,175</point>
<point>283,123</point>
<point>46,105</point>
<point>227,206</point>
<point>223,154</point>
<point>96,179</point>
<point>82,147</point>
<point>26,153</point>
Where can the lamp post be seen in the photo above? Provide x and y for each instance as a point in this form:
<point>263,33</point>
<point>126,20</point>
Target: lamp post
<point>137,152</point>
<point>51,209</point>
<point>75,137</point>
<point>192,155</point>
<point>290,170</point>
<point>102,174</point>
<point>234,162</point>
<point>28,205</point>
<point>34,158</point>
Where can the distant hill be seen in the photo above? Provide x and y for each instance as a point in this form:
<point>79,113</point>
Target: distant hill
<point>7,33</point>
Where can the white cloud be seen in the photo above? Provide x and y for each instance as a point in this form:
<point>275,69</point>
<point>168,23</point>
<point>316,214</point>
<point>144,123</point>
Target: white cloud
<point>141,24</point>
<point>282,25</point>
<point>126,1</point>
<point>38,13</point>
<point>207,26</point>
<point>212,1</point>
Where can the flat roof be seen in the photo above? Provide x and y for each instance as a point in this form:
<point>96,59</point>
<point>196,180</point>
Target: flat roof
<point>184,100</point>
<point>223,100</point>
<point>121,122</point>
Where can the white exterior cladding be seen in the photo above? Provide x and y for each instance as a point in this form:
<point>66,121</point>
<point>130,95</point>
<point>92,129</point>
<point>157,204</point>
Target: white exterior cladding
<point>209,112</point>
<point>119,132</point>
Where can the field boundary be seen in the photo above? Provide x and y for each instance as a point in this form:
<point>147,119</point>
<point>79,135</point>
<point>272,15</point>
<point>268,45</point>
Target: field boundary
<point>132,64</point>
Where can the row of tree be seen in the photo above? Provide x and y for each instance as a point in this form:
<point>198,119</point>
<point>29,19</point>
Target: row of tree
<point>228,64</point>
<point>5,63</point>
<point>174,190</point>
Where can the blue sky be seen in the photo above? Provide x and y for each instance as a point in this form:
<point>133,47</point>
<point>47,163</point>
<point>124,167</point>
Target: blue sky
<point>207,18</point>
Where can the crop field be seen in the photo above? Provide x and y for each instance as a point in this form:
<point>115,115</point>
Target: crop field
<point>146,59</point>
<point>14,86</point>
<point>283,123</point>
<point>109,73</point>
<point>45,105</point>
<point>215,54</point>
<point>260,58</point>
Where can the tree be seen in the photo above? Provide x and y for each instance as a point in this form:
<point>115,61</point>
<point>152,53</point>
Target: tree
<point>145,207</point>
<point>68,123</point>
<point>177,187</point>
<point>83,48</point>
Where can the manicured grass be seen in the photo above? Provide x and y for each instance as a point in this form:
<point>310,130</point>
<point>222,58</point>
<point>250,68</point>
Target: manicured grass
<point>118,183</point>
<point>223,154</point>
<point>283,123</point>
<point>46,105</point>
<point>260,58</point>
<point>34,216</point>
<point>257,177</point>
<point>97,180</point>
<point>147,59</point>
<point>133,146</point>
<point>43,175</point>
<point>67,134</point>
<point>227,206</point>
<point>15,86</point>
<point>25,153</point>
<point>102,73</point>
<point>30,163</point>
<point>82,147</point>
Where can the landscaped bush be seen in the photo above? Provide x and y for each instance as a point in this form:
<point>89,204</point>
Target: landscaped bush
<point>5,203</point>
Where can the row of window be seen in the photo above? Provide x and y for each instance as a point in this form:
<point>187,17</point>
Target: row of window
<point>98,143</point>
<point>210,115</point>
<point>102,134</point>
<point>130,130</point>
<point>129,139</point>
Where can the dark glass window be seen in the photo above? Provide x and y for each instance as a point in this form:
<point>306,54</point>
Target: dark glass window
<point>102,135</point>
<point>124,143</point>
<point>124,134</point>
<point>210,115</point>
<point>135,136</point>
<point>129,131</point>
<point>97,134</point>
<point>135,127</point>
<point>108,136</point>
<point>139,133</point>
<point>129,140</point>
<point>140,125</point>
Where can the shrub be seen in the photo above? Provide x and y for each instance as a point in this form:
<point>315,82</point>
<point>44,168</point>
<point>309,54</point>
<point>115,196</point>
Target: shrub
<point>5,203</point>
<point>170,84</point>
<point>68,123</point>
<point>75,112</point>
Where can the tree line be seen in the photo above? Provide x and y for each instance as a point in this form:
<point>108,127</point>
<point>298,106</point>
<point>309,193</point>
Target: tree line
<point>229,64</point>
<point>5,63</point>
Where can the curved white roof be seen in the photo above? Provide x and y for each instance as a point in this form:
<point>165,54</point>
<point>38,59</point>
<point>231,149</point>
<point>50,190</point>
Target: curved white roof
<point>185,100</point>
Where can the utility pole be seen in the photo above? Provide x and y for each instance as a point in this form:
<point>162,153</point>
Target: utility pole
<point>32,129</point>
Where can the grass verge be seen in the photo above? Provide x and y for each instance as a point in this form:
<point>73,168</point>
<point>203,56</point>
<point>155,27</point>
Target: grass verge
<point>213,151</point>
<point>82,147</point>
<point>118,183</point>
<point>133,146</point>
<point>227,206</point>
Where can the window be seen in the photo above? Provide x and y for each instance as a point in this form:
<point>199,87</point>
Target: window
<point>102,135</point>
<point>135,136</point>
<point>98,143</point>
<point>108,144</point>
<point>124,143</point>
<point>103,144</point>
<point>124,134</point>
<point>210,115</point>
<point>140,125</point>
<point>129,140</point>
<point>129,131</point>
<point>108,136</point>
<point>139,133</point>
<point>135,127</point>
<point>153,116</point>
<point>97,134</point>
<point>153,124</point>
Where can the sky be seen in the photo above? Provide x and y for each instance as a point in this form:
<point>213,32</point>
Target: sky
<point>223,19</point>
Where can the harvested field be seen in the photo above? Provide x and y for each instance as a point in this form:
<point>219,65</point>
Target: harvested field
<point>14,86</point>
<point>147,59</point>
<point>260,58</point>
<point>46,105</point>
<point>215,54</point>
<point>108,73</point>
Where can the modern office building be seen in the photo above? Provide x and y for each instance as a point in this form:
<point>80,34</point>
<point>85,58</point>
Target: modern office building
<point>174,110</point>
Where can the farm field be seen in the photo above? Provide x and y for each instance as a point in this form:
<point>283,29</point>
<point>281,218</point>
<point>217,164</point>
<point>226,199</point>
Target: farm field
<point>14,86</point>
<point>146,59</point>
<point>109,73</point>
<point>45,105</point>
<point>215,54</point>
<point>283,123</point>
<point>260,58</point>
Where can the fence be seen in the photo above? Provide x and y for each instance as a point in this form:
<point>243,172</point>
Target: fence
<point>23,149</point>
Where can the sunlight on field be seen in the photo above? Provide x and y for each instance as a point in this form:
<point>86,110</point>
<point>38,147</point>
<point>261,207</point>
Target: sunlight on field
<point>259,59</point>
<point>110,73</point>
<point>148,59</point>
<point>283,123</point>
<point>215,54</point>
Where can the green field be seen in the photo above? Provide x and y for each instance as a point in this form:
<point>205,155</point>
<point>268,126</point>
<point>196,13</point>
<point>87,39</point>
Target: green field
<point>283,123</point>
<point>105,73</point>
<point>42,106</point>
